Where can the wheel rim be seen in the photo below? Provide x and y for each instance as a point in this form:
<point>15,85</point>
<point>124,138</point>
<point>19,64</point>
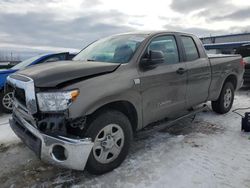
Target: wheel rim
<point>228,98</point>
<point>108,143</point>
<point>7,101</point>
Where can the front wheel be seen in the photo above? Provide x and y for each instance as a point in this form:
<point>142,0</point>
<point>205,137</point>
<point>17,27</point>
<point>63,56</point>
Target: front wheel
<point>111,133</point>
<point>6,101</point>
<point>225,101</point>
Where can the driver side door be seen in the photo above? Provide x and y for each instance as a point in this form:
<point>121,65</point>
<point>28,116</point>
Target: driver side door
<point>163,88</point>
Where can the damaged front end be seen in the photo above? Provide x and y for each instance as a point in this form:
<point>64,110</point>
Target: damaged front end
<point>51,135</point>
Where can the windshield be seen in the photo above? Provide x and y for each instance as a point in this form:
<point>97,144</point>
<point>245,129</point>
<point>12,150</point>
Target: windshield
<point>26,62</point>
<point>115,49</point>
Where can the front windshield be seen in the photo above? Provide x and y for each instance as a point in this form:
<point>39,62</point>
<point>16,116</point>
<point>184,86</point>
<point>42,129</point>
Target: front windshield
<point>115,49</point>
<point>26,62</point>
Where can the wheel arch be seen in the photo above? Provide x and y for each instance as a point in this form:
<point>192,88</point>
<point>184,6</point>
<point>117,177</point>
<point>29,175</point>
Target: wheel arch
<point>125,107</point>
<point>231,78</point>
<point>216,91</point>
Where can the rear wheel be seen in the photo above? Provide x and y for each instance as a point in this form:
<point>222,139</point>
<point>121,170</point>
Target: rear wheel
<point>225,100</point>
<point>111,133</point>
<point>6,101</point>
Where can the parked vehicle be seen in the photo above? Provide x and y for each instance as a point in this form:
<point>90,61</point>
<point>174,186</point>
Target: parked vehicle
<point>5,65</point>
<point>244,51</point>
<point>6,97</point>
<point>85,113</point>
<point>247,70</point>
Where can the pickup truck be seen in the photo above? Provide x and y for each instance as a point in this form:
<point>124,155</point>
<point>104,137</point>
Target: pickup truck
<point>6,97</point>
<point>84,114</point>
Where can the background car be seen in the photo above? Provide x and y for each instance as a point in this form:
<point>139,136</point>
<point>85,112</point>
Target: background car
<point>6,96</point>
<point>247,70</point>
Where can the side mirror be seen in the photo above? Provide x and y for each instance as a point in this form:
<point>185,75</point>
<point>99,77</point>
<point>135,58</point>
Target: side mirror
<point>154,58</point>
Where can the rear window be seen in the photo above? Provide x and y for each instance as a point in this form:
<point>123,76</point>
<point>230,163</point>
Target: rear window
<point>190,48</point>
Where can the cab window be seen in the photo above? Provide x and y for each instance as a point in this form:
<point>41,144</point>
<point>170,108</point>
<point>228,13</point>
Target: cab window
<point>190,48</point>
<point>168,46</point>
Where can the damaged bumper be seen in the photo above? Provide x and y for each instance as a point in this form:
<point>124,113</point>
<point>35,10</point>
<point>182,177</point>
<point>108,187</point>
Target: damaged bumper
<point>62,151</point>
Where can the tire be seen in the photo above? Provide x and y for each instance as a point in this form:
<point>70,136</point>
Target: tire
<point>6,101</point>
<point>104,131</point>
<point>225,100</point>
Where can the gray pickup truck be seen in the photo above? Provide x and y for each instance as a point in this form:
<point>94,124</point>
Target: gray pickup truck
<point>84,113</point>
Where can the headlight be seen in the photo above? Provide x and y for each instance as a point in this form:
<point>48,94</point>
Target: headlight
<point>56,101</point>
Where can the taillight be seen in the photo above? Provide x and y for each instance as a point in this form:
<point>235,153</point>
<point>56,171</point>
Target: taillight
<point>242,62</point>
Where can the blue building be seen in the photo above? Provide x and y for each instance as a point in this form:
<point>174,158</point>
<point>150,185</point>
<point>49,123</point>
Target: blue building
<point>226,44</point>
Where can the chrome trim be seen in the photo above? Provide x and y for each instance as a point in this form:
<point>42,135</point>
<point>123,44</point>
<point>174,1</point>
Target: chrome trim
<point>78,150</point>
<point>29,89</point>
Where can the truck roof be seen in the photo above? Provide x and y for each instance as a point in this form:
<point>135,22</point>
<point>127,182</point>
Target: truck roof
<point>153,32</point>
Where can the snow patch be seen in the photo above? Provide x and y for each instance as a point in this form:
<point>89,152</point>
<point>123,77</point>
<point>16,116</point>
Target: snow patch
<point>7,136</point>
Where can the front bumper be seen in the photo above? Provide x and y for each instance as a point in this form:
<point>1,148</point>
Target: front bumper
<point>62,151</point>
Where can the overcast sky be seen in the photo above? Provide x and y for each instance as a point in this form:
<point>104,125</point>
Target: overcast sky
<point>56,25</point>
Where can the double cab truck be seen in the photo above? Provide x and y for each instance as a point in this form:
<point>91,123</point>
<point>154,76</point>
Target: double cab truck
<point>83,114</point>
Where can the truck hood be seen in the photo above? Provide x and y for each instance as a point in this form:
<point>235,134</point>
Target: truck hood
<point>53,74</point>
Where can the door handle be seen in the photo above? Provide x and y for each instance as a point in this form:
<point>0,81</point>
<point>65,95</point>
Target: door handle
<point>181,71</point>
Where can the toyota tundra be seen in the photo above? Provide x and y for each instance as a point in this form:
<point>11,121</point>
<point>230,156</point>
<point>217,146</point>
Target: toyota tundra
<point>83,114</point>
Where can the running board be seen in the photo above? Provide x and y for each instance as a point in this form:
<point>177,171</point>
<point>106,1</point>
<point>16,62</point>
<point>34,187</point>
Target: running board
<point>168,123</point>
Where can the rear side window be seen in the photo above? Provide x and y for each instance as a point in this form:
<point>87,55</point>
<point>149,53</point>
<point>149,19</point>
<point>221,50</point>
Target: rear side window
<point>190,48</point>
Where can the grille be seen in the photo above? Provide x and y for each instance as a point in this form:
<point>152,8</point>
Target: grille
<point>19,94</point>
<point>24,92</point>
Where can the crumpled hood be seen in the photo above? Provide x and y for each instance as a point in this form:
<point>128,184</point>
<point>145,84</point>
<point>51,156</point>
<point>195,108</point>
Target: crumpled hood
<point>53,74</point>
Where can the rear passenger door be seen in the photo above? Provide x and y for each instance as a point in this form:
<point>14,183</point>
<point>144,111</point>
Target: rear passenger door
<point>163,89</point>
<point>199,72</point>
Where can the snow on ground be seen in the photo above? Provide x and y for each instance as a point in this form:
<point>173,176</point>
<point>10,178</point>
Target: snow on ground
<point>7,136</point>
<point>209,152</point>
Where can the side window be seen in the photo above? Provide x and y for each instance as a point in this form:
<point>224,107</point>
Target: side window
<point>52,59</point>
<point>56,58</point>
<point>61,57</point>
<point>166,44</point>
<point>190,48</point>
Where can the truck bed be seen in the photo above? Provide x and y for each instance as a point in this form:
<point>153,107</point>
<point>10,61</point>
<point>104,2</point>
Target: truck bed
<point>221,66</point>
<point>212,56</point>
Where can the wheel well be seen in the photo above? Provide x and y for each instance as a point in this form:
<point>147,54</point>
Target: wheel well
<point>232,79</point>
<point>124,107</point>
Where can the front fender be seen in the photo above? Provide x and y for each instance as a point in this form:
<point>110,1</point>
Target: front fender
<point>131,97</point>
<point>91,103</point>
<point>105,89</point>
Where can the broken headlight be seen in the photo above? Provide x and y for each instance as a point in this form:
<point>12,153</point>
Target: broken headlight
<point>56,101</point>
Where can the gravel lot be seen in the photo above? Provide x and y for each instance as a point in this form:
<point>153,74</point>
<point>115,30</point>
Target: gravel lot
<point>209,152</point>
